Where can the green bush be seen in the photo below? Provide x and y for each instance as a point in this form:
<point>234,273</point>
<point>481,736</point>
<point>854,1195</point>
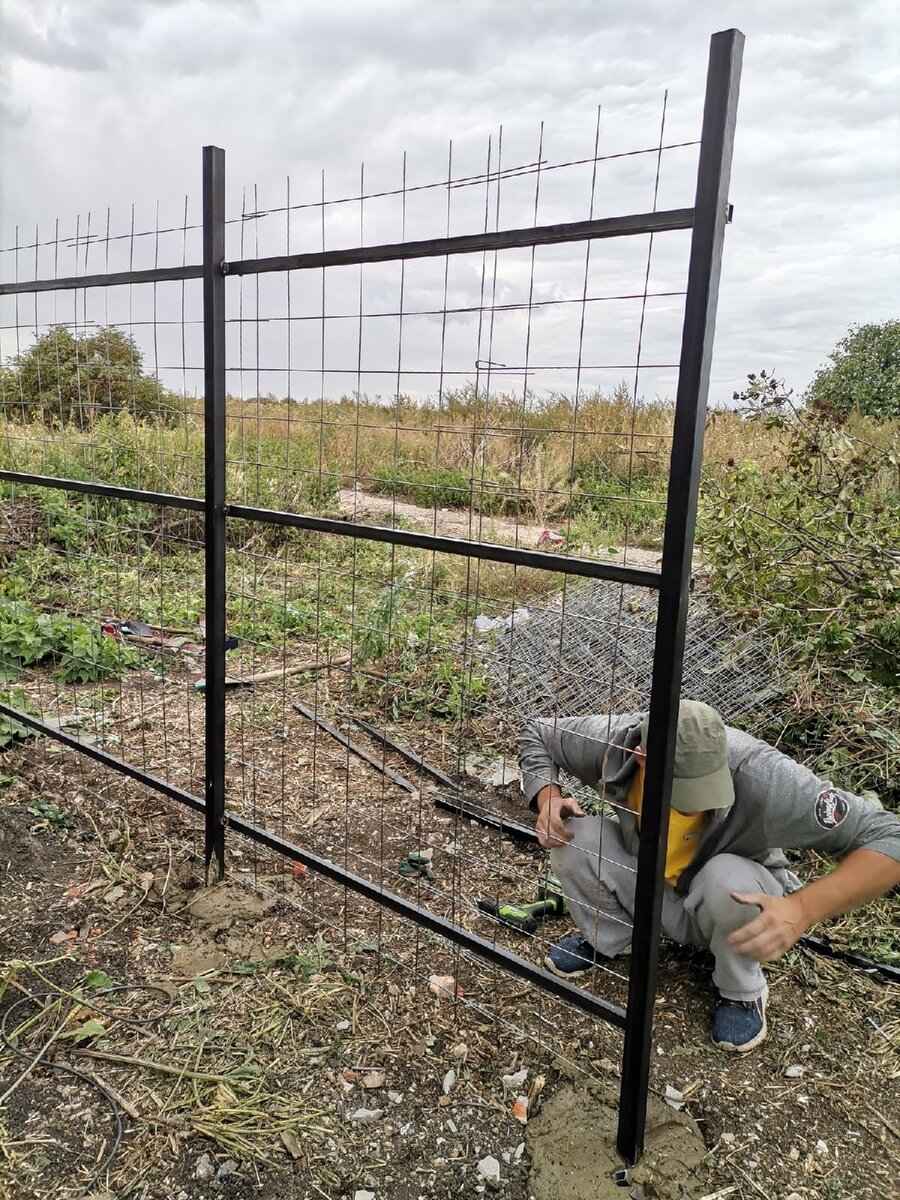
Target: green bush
<point>864,375</point>
<point>67,378</point>
<point>634,508</point>
<point>807,554</point>
<point>83,655</point>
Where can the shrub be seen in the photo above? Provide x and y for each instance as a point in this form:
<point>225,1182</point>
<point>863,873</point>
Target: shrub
<point>864,375</point>
<point>67,378</point>
<point>808,554</point>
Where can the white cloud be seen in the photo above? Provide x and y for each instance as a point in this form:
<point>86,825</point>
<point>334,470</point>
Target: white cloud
<point>104,103</point>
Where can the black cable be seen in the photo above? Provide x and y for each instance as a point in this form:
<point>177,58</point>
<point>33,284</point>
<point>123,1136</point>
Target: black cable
<point>6,1040</point>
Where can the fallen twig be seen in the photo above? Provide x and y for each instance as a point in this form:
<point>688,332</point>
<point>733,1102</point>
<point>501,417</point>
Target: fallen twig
<point>313,664</point>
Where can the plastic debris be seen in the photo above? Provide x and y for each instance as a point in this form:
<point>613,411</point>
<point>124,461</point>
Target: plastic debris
<point>550,538</point>
<point>418,865</point>
<point>821,1147</point>
<point>485,624</point>
<point>363,1194</point>
<point>674,1098</point>
<point>449,1082</point>
<point>520,1110</point>
<point>794,1072</point>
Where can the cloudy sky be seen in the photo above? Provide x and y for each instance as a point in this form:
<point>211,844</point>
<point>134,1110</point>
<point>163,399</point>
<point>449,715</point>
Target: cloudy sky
<point>106,103</point>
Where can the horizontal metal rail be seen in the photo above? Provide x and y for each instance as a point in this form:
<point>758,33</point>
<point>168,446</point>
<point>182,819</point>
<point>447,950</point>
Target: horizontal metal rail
<point>115,279</point>
<point>471,243</point>
<point>490,551</point>
<point>100,756</point>
<point>480,946</point>
<point>503,239</point>
<point>466,547</point>
<point>135,495</point>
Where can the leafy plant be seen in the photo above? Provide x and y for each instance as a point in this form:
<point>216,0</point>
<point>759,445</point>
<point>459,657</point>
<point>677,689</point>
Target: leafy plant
<point>28,637</point>
<point>864,375</point>
<point>12,730</point>
<point>807,551</point>
<point>75,378</point>
<point>58,819</point>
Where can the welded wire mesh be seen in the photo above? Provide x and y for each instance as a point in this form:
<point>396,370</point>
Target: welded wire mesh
<point>510,397</point>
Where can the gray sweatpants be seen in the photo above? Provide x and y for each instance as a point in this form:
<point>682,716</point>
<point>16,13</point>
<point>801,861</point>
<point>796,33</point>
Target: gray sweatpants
<point>599,878</point>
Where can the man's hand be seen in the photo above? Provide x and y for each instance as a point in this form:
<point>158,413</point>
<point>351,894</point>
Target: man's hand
<point>554,809</point>
<point>779,926</point>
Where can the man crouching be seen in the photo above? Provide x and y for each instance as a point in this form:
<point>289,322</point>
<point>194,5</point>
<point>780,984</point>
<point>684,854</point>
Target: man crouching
<point>736,804</point>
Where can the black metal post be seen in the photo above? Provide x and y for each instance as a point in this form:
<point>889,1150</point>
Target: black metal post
<point>710,216</point>
<point>214,497</point>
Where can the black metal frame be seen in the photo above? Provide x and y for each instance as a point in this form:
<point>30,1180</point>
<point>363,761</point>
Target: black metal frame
<point>707,220</point>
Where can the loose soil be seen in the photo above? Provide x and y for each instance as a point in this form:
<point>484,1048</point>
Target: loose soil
<point>329,1062</point>
<point>310,1042</point>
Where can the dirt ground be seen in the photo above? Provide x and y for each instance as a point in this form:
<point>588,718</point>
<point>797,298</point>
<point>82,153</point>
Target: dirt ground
<point>276,1035</point>
<point>367,508</point>
<point>311,1044</point>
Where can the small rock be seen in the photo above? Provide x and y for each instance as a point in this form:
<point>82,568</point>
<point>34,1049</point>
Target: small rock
<point>727,1139</point>
<point>805,1048</point>
<point>228,1167</point>
<point>802,1099</point>
<point>515,1081</point>
<point>794,1196</point>
<point>459,1052</point>
<point>373,1079</point>
<point>821,1147</point>
<point>395,1097</point>
<point>507,1157</point>
<point>444,987</point>
<point>342,1026</point>
<point>205,1168</point>
<point>489,1170</point>
<point>520,1150</point>
<point>794,1072</point>
<point>367,1116</point>
<point>451,1125</point>
<point>794,1154</point>
<point>520,1110</point>
<point>674,1098</point>
<point>362,1194</point>
<point>449,1082</point>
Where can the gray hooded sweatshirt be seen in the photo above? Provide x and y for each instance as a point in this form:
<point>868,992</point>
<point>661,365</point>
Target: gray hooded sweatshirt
<point>777,802</point>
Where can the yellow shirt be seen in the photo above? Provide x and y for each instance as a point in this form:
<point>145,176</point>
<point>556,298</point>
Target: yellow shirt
<point>685,830</point>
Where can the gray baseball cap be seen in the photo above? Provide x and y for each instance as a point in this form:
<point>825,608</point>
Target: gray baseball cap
<point>701,779</point>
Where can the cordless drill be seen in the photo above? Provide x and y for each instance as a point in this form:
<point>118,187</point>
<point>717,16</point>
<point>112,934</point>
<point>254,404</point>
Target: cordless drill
<point>525,917</point>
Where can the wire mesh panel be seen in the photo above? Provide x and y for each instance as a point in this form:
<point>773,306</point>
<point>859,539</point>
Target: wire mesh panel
<point>437,500</point>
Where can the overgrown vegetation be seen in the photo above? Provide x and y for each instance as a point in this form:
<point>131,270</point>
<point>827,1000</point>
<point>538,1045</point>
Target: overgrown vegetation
<point>798,519</point>
<point>80,653</point>
<point>75,379</point>
<point>808,551</point>
<point>863,376</point>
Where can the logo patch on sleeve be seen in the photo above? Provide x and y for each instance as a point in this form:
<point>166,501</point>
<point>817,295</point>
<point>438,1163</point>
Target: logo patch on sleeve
<point>830,809</point>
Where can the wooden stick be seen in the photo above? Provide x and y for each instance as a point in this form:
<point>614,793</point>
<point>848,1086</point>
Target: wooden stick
<point>315,664</point>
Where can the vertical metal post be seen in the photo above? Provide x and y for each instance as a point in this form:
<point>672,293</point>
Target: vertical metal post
<point>214,495</point>
<point>710,216</point>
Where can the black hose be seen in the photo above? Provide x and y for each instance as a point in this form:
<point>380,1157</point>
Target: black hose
<point>6,1039</point>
